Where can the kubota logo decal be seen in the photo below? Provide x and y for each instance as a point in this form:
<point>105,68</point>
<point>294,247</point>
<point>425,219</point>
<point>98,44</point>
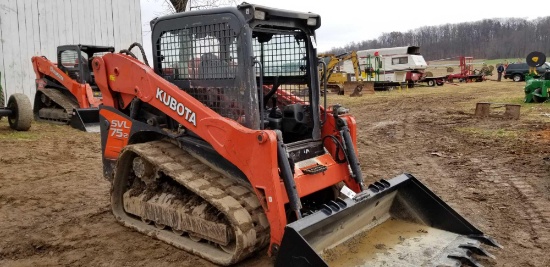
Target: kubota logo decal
<point>176,106</point>
<point>56,73</point>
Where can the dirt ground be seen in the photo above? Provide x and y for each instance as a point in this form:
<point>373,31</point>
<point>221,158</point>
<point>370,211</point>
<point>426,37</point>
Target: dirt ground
<point>54,203</point>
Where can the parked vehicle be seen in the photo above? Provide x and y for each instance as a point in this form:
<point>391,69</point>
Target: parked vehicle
<point>342,82</point>
<point>517,71</point>
<point>222,161</point>
<point>66,92</point>
<point>390,67</point>
<point>432,81</point>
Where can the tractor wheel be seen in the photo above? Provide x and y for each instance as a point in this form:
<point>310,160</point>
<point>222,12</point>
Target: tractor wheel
<point>431,83</point>
<point>21,116</point>
<point>538,99</point>
<point>516,78</point>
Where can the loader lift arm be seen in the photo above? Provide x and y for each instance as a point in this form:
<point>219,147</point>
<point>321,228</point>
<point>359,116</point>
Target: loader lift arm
<point>82,92</point>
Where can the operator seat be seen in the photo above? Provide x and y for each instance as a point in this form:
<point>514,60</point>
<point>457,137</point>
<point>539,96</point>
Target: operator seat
<point>211,67</point>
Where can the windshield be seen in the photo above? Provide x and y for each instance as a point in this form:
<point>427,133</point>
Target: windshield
<point>283,55</point>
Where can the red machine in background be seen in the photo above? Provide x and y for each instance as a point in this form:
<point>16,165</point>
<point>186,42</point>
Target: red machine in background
<point>66,92</point>
<point>467,72</point>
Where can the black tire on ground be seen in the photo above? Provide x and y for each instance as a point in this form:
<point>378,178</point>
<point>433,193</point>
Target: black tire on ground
<point>439,83</point>
<point>517,78</point>
<point>538,99</point>
<point>431,83</point>
<point>21,116</point>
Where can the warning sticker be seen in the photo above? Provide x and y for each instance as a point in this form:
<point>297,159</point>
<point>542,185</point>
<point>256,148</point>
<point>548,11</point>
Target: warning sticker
<point>348,192</point>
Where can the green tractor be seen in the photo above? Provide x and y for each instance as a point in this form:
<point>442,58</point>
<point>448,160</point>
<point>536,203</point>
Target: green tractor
<point>536,84</point>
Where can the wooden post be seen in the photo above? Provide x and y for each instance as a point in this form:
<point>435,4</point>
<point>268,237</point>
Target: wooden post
<point>512,111</point>
<point>482,109</point>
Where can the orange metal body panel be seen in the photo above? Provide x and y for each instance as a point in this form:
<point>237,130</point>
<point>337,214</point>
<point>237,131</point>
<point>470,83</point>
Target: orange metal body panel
<point>254,152</point>
<point>83,92</point>
<point>119,133</point>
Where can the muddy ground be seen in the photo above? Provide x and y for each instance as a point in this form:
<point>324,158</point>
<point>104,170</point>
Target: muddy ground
<point>54,203</point>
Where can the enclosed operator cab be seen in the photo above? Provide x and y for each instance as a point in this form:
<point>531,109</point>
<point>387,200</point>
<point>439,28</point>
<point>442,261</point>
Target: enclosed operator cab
<point>223,58</point>
<point>76,61</point>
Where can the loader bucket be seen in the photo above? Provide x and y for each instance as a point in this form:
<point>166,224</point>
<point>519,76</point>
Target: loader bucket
<point>357,88</point>
<point>85,119</point>
<point>396,222</point>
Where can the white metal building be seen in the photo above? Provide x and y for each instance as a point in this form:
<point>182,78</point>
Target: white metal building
<point>37,27</point>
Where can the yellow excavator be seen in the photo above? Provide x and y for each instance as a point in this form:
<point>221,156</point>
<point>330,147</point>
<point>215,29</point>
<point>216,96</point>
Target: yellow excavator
<point>339,81</point>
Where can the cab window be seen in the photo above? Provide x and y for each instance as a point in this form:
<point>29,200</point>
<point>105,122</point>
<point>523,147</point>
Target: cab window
<point>399,60</point>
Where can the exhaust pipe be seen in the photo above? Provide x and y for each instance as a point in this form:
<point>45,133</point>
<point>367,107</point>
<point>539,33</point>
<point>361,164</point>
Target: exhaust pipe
<point>85,119</point>
<point>399,222</point>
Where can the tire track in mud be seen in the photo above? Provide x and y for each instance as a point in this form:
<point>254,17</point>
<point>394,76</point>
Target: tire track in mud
<point>535,206</point>
<point>406,142</point>
<point>416,159</point>
<point>391,136</point>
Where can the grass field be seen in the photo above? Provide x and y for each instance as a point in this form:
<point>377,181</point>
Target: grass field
<point>466,95</point>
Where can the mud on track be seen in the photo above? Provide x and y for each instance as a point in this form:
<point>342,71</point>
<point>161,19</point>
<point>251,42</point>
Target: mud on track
<point>54,202</point>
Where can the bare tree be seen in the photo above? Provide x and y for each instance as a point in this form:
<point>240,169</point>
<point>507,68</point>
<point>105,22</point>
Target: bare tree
<point>489,38</point>
<point>205,4</point>
<point>178,5</point>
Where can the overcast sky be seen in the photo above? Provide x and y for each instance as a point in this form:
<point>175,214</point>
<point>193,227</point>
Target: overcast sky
<point>345,21</point>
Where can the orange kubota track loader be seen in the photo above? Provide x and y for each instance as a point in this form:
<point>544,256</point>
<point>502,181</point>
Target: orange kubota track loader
<point>222,148</point>
<point>66,91</point>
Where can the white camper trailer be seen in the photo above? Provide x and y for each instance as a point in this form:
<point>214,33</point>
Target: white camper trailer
<point>397,64</point>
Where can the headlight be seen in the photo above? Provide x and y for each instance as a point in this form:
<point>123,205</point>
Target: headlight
<point>259,15</point>
<point>311,21</point>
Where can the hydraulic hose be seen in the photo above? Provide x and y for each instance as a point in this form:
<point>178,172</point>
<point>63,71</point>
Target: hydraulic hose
<point>129,52</point>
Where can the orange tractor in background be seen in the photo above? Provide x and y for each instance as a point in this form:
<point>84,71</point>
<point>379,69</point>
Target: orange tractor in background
<point>223,148</point>
<point>66,91</point>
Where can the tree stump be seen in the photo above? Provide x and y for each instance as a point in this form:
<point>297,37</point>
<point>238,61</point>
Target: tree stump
<point>483,109</point>
<point>512,111</point>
